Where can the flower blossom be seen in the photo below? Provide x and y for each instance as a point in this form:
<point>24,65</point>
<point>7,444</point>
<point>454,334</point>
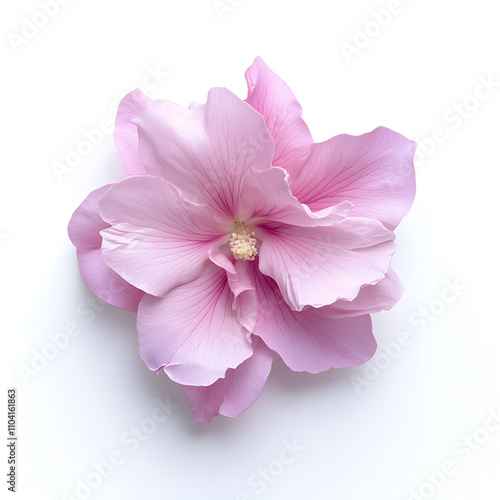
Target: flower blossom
<point>235,236</point>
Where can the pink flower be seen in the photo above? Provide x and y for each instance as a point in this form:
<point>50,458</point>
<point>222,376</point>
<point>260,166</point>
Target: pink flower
<point>236,236</point>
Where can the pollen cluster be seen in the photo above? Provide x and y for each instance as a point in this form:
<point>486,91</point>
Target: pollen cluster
<point>242,243</point>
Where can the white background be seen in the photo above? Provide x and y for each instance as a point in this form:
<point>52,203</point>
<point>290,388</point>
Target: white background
<point>414,410</point>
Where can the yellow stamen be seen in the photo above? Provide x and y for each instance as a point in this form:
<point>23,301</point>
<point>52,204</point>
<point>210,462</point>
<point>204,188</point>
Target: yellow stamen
<point>242,242</point>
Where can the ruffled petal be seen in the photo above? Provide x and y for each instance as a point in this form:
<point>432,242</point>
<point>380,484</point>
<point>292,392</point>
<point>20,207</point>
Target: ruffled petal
<point>105,283</point>
<point>125,135</point>
<point>320,265</point>
<point>267,197</point>
<point>192,332</point>
<point>207,150</point>
<point>237,391</point>
<point>86,223</point>
<point>273,99</point>
<point>157,239</point>
<point>239,280</point>
<point>84,231</point>
<point>309,340</point>
<point>374,171</point>
<point>371,298</point>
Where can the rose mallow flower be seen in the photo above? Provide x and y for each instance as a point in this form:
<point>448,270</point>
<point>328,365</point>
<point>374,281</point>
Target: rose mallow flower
<point>235,236</point>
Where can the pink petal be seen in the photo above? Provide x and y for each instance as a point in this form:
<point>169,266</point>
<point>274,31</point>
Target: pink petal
<point>206,151</point>
<point>237,274</point>
<point>273,99</point>
<point>157,239</point>
<point>237,391</point>
<point>239,281</point>
<point>105,283</point>
<point>319,265</point>
<point>371,298</point>
<point>267,197</point>
<point>86,222</point>
<point>374,171</point>
<point>125,135</point>
<point>310,340</point>
<point>192,332</point>
<point>83,230</point>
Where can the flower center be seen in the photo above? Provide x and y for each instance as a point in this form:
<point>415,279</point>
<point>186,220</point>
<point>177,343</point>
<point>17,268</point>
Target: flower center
<point>242,242</point>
